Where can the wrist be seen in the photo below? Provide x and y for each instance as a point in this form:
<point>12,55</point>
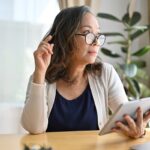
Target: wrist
<point>38,77</point>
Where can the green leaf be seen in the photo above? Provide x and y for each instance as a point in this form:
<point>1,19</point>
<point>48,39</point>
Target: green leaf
<point>126,18</point>
<point>135,18</point>
<point>131,21</point>
<point>140,31</point>
<point>124,49</point>
<point>108,16</point>
<point>139,63</point>
<point>142,51</point>
<point>119,42</point>
<point>109,53</point>
<point>142,75</point>
<point>139,28</point>
<point>130,70</point>
<point>136,28</point>
<point>145,91</point>
<point>137,86</point>
<point>132,88</point>
<point>112,34</point>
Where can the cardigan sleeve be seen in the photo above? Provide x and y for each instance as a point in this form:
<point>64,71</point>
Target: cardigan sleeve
<point>116,92</point>
<point>35,117</point>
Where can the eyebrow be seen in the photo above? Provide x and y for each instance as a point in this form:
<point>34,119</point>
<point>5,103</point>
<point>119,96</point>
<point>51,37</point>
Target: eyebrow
<point>88,27</point>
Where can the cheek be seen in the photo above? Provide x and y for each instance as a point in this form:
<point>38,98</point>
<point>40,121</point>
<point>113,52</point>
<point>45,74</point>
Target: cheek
<point>80,43</point>
<point>82,46</point>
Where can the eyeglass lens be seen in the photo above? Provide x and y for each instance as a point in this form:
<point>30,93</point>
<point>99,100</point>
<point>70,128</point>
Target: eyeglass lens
<point>90,38</point>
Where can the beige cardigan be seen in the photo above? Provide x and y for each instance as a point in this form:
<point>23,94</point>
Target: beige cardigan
<point>107,91</point>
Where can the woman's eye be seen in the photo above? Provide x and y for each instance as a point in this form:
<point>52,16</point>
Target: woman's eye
<point>85,32</point>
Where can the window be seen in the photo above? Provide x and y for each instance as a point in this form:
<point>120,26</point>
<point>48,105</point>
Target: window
<point>23,24</point>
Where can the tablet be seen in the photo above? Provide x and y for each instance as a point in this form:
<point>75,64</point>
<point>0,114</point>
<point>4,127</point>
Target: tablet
<point>126,108</point>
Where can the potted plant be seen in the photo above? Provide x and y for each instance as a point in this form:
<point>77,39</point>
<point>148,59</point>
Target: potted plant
<point>132,70</point>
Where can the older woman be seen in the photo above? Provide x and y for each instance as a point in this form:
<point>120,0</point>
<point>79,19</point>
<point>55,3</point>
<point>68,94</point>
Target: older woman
<point>71,88</point>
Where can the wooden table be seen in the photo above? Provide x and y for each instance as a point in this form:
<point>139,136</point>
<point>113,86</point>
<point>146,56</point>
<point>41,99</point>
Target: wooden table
<point>80,140</point>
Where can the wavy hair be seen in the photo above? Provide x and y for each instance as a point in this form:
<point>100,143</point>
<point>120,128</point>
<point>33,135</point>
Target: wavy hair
<point>63,30</point>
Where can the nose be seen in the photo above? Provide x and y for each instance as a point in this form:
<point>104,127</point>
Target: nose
<point>95,41</point>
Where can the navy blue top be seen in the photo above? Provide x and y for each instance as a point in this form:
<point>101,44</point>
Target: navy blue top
<point>71,115</point>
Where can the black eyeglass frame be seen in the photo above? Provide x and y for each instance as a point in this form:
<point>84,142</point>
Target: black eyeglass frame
<point>96,37</point>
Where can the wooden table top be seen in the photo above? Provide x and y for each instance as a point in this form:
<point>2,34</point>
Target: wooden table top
<point>76,140</point>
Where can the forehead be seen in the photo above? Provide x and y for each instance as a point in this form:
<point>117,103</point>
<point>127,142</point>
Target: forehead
<point>89,20</point>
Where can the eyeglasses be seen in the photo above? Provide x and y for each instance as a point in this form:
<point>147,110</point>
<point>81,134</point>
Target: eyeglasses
<point>91,38</point>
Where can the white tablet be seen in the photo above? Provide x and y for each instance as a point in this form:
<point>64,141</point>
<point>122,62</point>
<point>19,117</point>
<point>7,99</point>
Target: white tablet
<point>126,108</point>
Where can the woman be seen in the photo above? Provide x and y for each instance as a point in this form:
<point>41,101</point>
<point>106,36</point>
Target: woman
<point>71,89</point>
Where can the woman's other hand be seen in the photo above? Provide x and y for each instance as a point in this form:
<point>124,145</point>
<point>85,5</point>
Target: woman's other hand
<point>42,57</point>
<point>133,129</point>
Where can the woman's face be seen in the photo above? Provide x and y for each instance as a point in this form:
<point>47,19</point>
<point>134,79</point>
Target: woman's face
<point>85,53</point>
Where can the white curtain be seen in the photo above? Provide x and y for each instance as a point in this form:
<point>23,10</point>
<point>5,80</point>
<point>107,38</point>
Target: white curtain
<point>69,3</point>
<point>23,24</point>
<point>94,4</point>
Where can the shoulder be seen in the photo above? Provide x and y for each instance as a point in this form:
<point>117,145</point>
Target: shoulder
<point>109,76</point>
<point>106,67</point>
<point>107,73</point>
<point>107,70</point>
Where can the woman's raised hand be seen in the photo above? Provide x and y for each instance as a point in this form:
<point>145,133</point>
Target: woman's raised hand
<point>42,57</point>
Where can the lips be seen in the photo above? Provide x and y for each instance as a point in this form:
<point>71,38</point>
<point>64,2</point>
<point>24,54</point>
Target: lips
<point>92,52</point>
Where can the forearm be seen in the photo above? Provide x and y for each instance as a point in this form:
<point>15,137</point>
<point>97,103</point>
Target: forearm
<point>38,77</point>
<point>34,116</point>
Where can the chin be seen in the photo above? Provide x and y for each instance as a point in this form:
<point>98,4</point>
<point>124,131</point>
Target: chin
<point>91,61</point>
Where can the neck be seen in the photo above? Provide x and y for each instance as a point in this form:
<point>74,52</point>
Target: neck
<point>76,74</point>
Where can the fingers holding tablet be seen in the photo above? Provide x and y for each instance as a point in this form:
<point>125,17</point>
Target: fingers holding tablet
<point>133,128</point>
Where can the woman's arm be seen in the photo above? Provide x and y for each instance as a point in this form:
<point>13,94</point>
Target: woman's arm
<point>34,117</point>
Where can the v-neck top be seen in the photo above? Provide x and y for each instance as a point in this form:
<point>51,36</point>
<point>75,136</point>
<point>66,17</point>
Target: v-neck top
<point>71,115</point>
